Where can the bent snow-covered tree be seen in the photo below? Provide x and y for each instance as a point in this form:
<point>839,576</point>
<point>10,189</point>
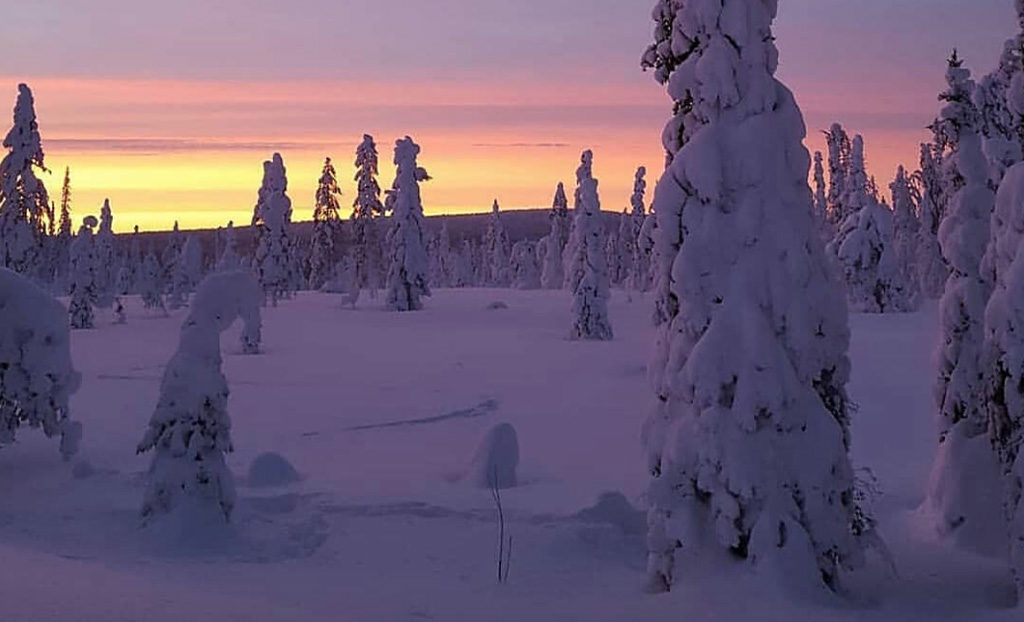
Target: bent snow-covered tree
<point>407,274</point>
<point>747,443</point>
<point>36,374</point>
<point>190,430</point>
<point>587,274</point>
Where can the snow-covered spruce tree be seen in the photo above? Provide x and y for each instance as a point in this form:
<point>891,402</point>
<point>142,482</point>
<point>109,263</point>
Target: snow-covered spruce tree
<point>640,264</point>
<point>964,456</point>
<point>613,255</point>
<point>499,249</point>
<point>188,269</point>
<point>106,258</point>
<point>747,444</point>
<point>134,262</point>
<point>553,272</point>
<point>931,265</point>
<point>326,227</point>
<point>465,271</point>
<point>625,249</point>
<point>905,230</point>
<point>959,95</point>
<point>62,241</point>
<point>271,260</point>
<point>36,374</point>
<point>839,154</point>
<point>229,260</point>
<point>821,199</point>
<point>190,431</point>
<point>866,249</point>
<point>1002,126</point>
<point>24,201</point>
<point>586,272</point>
<point>83,276</point>
<point>445,258</point>
<point>1004,363</point>
<point>407,274</point>
<point>151,283</point>
<point>524,265</point>
<point>367,213</point>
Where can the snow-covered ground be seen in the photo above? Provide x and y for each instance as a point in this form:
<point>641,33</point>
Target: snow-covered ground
<point>381,414</point>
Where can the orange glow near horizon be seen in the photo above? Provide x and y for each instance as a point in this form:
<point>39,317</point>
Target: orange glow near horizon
<point>191,151</point>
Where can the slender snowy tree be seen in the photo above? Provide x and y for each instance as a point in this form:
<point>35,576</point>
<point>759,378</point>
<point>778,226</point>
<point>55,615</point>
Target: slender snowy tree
<point>326,227</point>
<point>931,264</point>
<point>83,276</point>
<point>190,430</point>
<point>35,355</point>
<point>958,95</point>
<point>499,249</point>
<point>151,283</point>
<point>747,443</point>
<point>367,213</point>
<point>465,271</point>
<point>839,154</point>
<point>106,265</point>
<point>641,260</point>
<point>171,253</point>
<point>587,272</point>
<point>959,387</point>
<point>62,241</point>
<point>24,201</point>
<point>906,231</point>
<point>271,261</point>
<point>407,274</point>
<point>553,272</point>
<point>230,260</point>
<point>821,200</point>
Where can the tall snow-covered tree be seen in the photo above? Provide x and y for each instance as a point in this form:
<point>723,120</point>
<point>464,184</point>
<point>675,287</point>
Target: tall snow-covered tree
<point>465,265</point>
<point>229,260</point>
<point>553,272</point>
<point>171,253</point>
<point>151,283</point>
<point>35,355</point>
<point>24,201</point>
<point>748,442</point>
<point>839,153</point>
<point>526,272</point>
<point>367,213</point>
<point>439,257</point>
<point>586,270</point>
<point>1004,365</point>
<point>106,259</point>
<point>641,261</point>
<point>326,227</point>
<point>905,230</point>
<point>1002,125</point>
<point>931,264</point>
<point>959,386</point>
<point>407,274</point>
<point>65,233</point>
<point>499,249</point>
<point>84,289</point>
<point>821,199</point>
<point>272,259</point>
<point>190,430</point>
<point>958,95</point>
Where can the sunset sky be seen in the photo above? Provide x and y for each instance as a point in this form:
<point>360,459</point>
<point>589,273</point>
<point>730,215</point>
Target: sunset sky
<point>169,108</point>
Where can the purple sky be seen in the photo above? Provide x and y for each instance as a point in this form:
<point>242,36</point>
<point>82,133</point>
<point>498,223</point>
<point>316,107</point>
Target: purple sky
<point>546,77</point>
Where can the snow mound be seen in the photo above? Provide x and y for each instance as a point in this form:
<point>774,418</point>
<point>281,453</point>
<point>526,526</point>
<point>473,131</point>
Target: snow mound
<point>272,469</point>
<point>83,469</point>
<point>613,508</point>
<point>496,458</point>
<point>496,306</point>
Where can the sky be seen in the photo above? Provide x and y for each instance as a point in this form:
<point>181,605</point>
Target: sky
<point>169,108</point>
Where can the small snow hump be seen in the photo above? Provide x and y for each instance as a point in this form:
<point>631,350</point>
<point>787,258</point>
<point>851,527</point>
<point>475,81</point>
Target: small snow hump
<point>272,469</point>
<point>497,305</point>
<point>496,459</point>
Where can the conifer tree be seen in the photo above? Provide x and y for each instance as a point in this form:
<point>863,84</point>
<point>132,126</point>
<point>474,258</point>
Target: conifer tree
<point>83,276</point>
<point>272,258</point>
<point>407,272</point>
<point>747,444</point>
<point>326,227</point>
<point>498,249</point>
<point>587,273</point>
<point>367,214</point>
<point>23,198</point>
<point>553,272</point>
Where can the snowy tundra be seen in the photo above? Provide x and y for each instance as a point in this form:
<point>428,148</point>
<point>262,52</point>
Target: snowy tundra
<point>381,414</point>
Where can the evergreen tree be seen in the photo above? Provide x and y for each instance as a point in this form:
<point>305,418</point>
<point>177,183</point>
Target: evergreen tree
<point>1002,123</point>
<point>748,441</point>
<point>190,430</point>
<point>407,274</point>
<point>271,261</point>
<point>905,230</point>
<point>65,232</point>
<point>931,264</point>
<point>498,249</point>
<point>38,378</point>
<point>326,227</point>
<point>83,276</point>
<point>524,265</point>
<point>553,273</point>
<point>587,273</point>
<point>24,201</point>
<point>839,153</point>
<point>959,386</point>
<point>821,199</point>
<point>367,212</point>
<point>230,260</point>
<point>170,255</point>
<point>106,259</point>
<point>151,283</point>
<point>640,261</point>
